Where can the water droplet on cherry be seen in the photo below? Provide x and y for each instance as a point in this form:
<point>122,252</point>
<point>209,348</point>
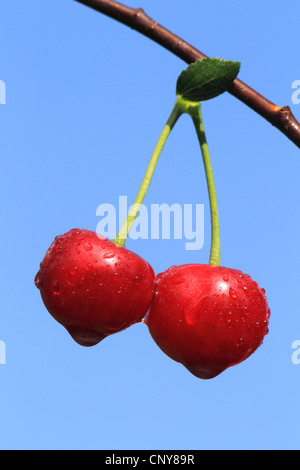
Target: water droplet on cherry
<point>75,232</point>
<point>232,293</point>
<point>55,288</point>
<point>37,281</point>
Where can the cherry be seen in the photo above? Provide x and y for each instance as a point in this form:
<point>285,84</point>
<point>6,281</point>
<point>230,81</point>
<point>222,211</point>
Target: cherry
<point>93,287</point>
<point>207,317</point>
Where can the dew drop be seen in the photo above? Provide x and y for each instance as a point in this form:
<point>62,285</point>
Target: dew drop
<point>240,342</point>
<point>109,255</point>
<point>88,246</point>
<point>116,277</point>
<point>56,289</point>
<point>247,292</point>
<point>225,278</point>
<point>232,293</point>
<point>89,267</point>
<point>246,311</point>
<point>37,281</point>
<point>75,232</point>
<point>267,331</point>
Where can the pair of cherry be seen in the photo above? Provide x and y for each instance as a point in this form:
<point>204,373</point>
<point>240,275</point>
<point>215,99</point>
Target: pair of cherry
<point>206,317</point>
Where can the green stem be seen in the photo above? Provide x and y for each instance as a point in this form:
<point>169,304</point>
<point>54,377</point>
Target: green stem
<point>194,110</point>
<point>125,229</point>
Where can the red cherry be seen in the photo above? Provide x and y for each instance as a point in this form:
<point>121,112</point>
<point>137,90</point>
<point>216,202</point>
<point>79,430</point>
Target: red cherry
<point>207,318</point>
<point>93,287</point>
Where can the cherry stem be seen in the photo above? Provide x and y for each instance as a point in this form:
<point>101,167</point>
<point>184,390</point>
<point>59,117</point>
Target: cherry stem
<point>133,212</point>
<point>194,110</point>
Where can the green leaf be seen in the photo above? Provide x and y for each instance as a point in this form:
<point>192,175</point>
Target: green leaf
<point>206,79</point>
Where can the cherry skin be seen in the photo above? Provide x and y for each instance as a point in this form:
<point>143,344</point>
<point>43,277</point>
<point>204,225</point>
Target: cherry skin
<point>207,318</point>
<point>93,287</point>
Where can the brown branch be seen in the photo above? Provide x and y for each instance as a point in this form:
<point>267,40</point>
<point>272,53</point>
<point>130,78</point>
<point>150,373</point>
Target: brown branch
<point>280,117</point>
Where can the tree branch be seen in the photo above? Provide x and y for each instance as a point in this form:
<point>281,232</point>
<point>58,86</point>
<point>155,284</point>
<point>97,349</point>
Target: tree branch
<point>280,117</point>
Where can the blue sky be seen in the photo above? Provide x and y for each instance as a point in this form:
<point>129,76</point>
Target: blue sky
<point>86,99</point>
